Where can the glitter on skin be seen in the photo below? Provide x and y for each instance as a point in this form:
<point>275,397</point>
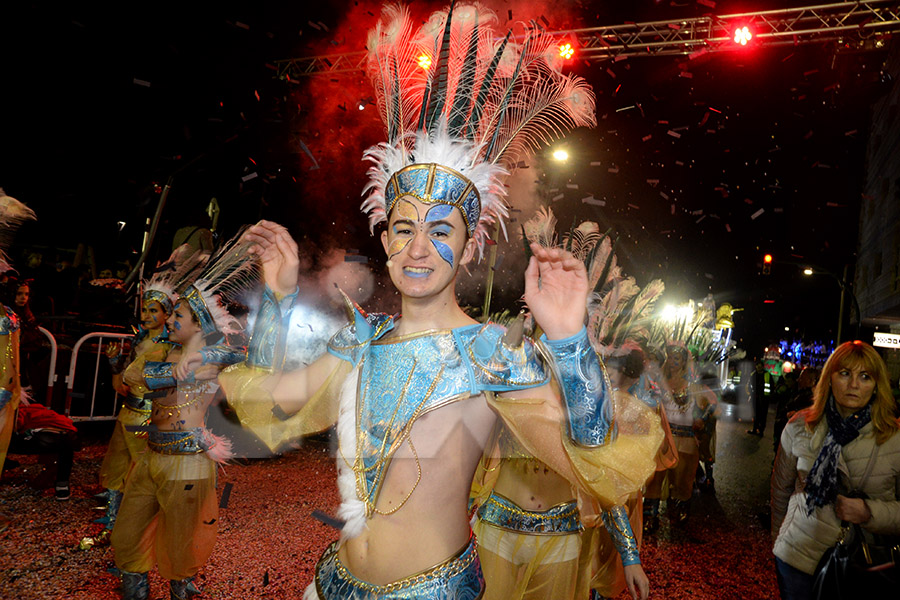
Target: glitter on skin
<point>443,249</point>
<point>408,210</point>
<point>436,213</point>
<point>397,247</point>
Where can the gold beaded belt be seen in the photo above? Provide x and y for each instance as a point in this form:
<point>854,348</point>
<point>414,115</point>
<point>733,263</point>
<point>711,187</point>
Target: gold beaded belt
<point>459,573</point>
<point>175,442</point>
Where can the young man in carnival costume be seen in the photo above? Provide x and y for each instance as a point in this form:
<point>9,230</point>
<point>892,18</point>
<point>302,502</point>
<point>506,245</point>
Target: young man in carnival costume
<point>538,536</point>
<point>169,509</point>
<point>416,398</point>
<point>150,343</point>
<point>12,214</point>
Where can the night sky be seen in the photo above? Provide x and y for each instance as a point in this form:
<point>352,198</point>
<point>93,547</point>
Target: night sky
<point>101,104</point>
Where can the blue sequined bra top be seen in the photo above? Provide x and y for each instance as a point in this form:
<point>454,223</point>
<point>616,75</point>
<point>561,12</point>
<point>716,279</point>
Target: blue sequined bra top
<point>403,378</point>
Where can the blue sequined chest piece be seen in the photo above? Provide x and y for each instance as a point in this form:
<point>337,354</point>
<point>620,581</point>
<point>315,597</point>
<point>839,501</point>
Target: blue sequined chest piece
<point>399,382</point>
<point>403,378</point>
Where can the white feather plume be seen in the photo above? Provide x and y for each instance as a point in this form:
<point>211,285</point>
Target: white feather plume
<point>483,96</point>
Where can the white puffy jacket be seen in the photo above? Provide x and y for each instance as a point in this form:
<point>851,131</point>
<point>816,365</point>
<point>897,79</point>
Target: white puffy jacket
<point>802,540</point>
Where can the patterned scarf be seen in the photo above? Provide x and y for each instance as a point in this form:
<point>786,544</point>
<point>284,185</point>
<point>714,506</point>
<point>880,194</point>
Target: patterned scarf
<point>821,483</point>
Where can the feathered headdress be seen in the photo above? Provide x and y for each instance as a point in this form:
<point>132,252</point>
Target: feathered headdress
<point>694,332</point>
<point>184,264</point>
<point>12,214</point>
<point>619,311</point>
<point>230,272</point>
<point>461,108</point>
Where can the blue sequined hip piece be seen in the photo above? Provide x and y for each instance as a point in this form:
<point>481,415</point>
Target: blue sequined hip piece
<point>681,430</point>
<point>457,578</point>
<point>175,442</point>
<point>504,513</point>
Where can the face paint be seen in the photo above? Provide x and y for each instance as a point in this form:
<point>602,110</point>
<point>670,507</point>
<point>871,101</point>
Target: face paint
<point>397,247</point>
<point>176,325</point>
<point>444,250</point>
<point>407,210</point>
<point>438,213</point>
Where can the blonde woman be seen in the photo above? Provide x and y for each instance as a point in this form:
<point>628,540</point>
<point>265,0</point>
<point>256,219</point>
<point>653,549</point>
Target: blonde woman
<point>825,453</point>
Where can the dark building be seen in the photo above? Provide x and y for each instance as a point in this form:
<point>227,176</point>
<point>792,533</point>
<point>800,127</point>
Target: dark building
<point>877,281</point>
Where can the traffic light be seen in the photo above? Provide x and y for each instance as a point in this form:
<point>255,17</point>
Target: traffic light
<point>767,264</point>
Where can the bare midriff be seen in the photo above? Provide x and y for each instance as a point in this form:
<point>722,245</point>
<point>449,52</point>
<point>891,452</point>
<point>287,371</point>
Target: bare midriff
<point>431,523</point>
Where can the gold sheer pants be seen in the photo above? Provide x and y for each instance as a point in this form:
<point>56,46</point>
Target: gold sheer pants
<point>168,516</point>
<point>680,479</point>
<point>530,567</point>
<point>124,449</point>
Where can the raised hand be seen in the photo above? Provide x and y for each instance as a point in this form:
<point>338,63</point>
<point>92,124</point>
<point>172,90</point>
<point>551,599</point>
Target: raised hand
<point>556,291</point>
<point>277,251</point>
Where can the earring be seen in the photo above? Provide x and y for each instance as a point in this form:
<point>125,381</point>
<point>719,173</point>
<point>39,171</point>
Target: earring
<point>389,263</point>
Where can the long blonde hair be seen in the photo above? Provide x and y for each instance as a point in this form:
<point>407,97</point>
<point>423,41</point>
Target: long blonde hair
<point>850,355</point>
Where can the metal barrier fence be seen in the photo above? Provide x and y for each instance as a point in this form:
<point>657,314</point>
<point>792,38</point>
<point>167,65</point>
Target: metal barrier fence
<point>51,374</point>
<point>70,378</point>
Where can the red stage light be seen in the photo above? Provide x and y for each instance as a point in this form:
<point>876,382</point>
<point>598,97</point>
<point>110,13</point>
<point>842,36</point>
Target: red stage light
<point>425,61</point>
<point>566,51</point>
<point>742,35</point>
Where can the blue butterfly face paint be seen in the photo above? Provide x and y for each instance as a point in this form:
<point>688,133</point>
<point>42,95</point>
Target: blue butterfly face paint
<point>438,213</point>
<point>441,231</point>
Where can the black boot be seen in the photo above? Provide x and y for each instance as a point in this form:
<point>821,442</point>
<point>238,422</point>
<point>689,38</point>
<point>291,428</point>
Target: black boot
<point>114,500</point>
<point>710,482</point>
<point>135,586</point>
<point>183,589</point>
<point>678,511</point>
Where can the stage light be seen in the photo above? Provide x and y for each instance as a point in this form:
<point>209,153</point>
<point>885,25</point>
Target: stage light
<point>787,367</point>
<point>425,61</point>
<point>566,51</point>
<point>742,35</point>
<point>362,106</point>
<point>807,271</point>
<point>560,155</point>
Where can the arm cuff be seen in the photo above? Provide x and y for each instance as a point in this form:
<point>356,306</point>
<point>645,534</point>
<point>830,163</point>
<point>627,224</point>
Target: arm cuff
<point>619,527</point>
<point>584,387</point>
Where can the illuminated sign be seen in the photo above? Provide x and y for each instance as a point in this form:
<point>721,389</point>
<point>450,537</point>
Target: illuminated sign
<point>887,340</point>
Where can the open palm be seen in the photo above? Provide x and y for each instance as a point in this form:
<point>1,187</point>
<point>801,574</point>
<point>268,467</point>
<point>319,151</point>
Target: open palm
<point>556,290</point>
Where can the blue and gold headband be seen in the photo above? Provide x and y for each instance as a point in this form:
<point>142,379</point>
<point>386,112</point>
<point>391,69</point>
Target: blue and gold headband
<point>161,297</point>
<point>432,183</point>
<point>204,316</point>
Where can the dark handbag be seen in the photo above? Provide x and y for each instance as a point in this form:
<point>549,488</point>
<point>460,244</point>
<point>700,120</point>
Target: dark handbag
<point>855,568</point>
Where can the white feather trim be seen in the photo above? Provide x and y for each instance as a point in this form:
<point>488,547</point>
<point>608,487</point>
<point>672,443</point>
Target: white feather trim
<point>352,510</point>
<point>440,148</point>
<point>311,592</point>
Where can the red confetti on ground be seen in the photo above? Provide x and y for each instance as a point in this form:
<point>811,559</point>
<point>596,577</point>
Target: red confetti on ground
<point>269,542</point>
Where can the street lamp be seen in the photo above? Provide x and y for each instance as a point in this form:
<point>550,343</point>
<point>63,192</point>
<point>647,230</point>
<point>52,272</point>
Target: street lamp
<point>846,287</point>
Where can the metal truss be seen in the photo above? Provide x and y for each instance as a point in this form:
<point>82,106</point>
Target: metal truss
<point>851,22</point>
<point>858,25</point>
